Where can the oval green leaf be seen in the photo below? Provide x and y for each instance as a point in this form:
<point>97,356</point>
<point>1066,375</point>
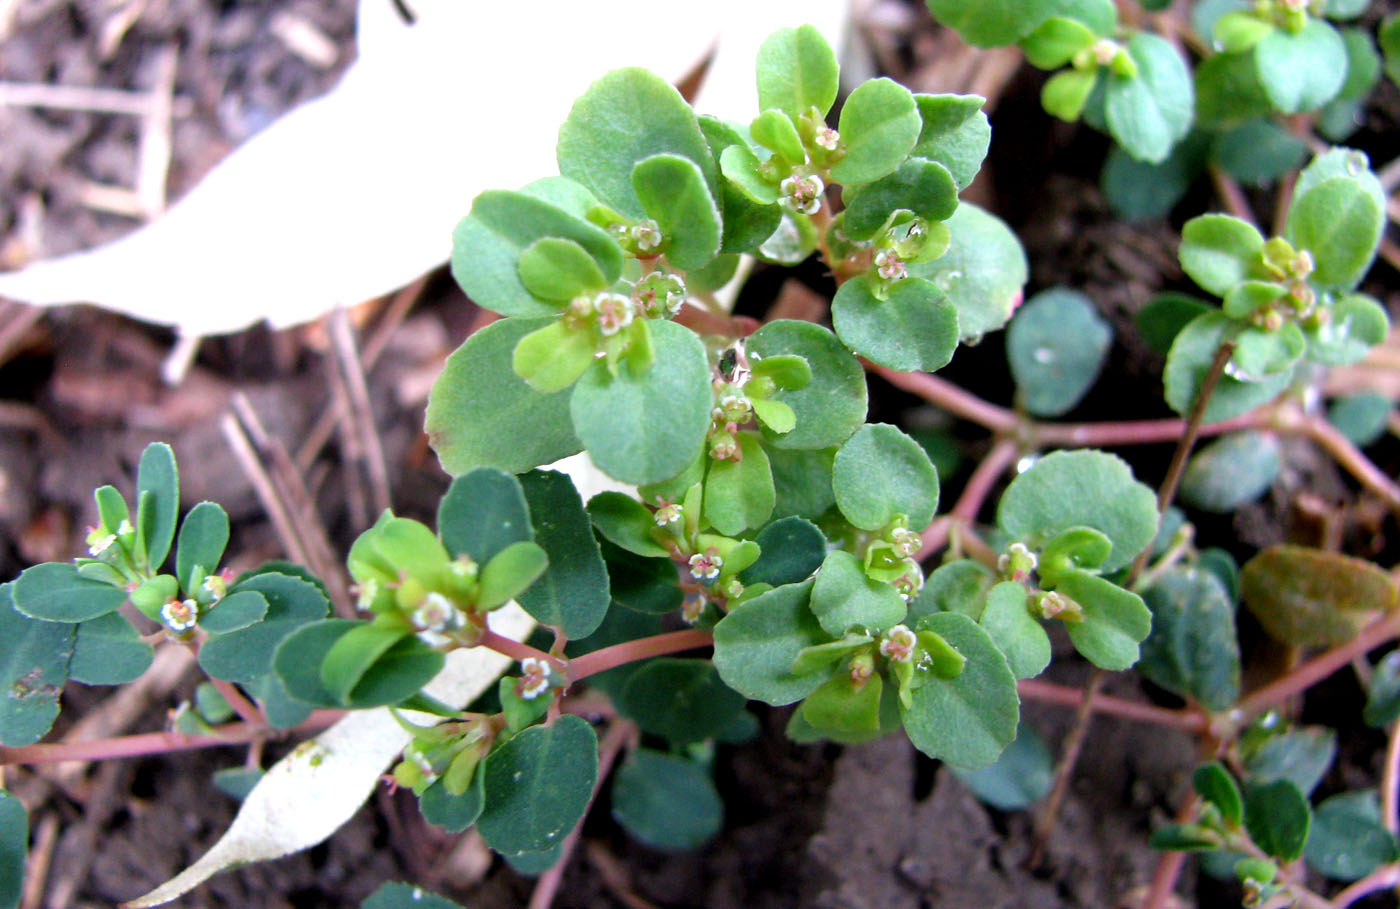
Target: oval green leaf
<point>879,473</point>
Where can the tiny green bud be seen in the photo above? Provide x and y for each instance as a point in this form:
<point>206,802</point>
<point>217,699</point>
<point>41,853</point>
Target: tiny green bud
<point>1053,605</point>
<point>734,407</point>
<point>1017,562</point>
<point>862,667</point>
<point>724,447</point>
<point>99,541</point>
<point>154,592</point>
<point>1317,319</point>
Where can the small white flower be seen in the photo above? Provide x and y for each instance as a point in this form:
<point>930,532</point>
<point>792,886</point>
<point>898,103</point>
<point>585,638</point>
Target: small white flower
<point>803,194</point>
<point>828,138</point>
<point>889,266</point>
<point>125,528</point>
<point>367,590</point>
<point>98,544</point>
<point>1104,50</point>
<point>614,312</point>
<point>910,583</point>
<point>215,585</point>
<point>724,448</point>
<point>667,513</point>
<point>906,542</point>
<point>180,615</point>
<point>438,614</point>
<point>705,566</point>
<point>647,235</point>
<point>898,644</point>
<point>534,678</point>
<point>463,567</point>
<point>692,609</point>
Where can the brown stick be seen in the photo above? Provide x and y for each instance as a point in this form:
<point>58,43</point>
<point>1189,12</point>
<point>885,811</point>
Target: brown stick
<point>360,413</point>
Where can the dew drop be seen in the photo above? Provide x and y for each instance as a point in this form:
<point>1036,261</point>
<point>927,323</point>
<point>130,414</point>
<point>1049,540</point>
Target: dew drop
<point>1356,163</point>
<point>516,776</point>
<point>1043,355</point>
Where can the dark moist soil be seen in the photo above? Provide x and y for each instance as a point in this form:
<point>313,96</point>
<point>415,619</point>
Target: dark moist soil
<point>812,826</point>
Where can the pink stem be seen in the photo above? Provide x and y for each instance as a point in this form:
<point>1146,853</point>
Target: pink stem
<point>1305,675</point>
<point>514,649</point>
<point>1065,696</point>
<point>631,651</point>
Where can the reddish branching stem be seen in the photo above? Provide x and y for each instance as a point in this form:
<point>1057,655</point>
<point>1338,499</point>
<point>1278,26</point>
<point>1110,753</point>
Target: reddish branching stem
<point>514,649</point>
<point>630,651</point>
<point>1066,696</point>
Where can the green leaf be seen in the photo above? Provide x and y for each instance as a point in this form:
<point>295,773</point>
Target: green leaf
<point>1232,470</point>
<point>641,583</point>
<point>968,720</point>
<point>298,659</point>
<point>56,592</point>
<point>923,187</point>
<point>757,642</point>
<point>747,222</point>
<point>739,494</point>
<point>1139,191</point>
<point>1388,36</point>
<point>510,573</point>
<point>453,813</point>
<point>1065,94</point>
<point>1339,222</point>
<point>914,328</point>
<point>844,599</point>
<point>775,131</point>
<point>557,270</point>
<point>483,512</point>
<point>625,522</point>
<point>879,125</point>
<point>646,428</point>
<point>1055,42</point>
<point>1018,778</point>
<point>1190,359</point>
<point>802,481</point>
<point>1301,756</point>
<point>1185,838</point>
<point>481,414</point>
<point>983,271</point>
<point>832,405</point>
<point>237,610</point>
<point>1239,30</point>
<point>538,785</point>
<point>1165,315</point>
<point>1115,621</point>
<point>281,709</point>
<point>1347,839</point>
<point>1075,547</point>
<point>246,654</point>
<point>673,191</point>
<point>203,536</point>
<point>1362,417</point>
<point>1056,346</point>
<point>1228,92</point>
<point>1017,634</point>
<point>744,173</point>
<point>1193,649</point>
<point>1081,489</point>
<point>1383,694</point>
<point>955,133</point>
<point>1301,71</point>
<point>488,243</point>
<point>33,668</point>
<point>405,896</point>
<point>1219,251</point>
<point>1308,597</point>
<point>958,586</point>
<point>354,652</point>
<point>397,674</point>
<point>1258,152</point>
<point>1215,784</point>
<point>666,801</point>
<point>879,473</point>
<point>796,70</point>
<point>158,513</point>
<point>1001,22</point>
<point>108,651</point>
<point>792,548</point>
<point>1277,817</point>
<point>573,593</point>
<point>844,708</point>
<point>1150,112</point>
<point>14,842</point>
<point>1357,324</point>
<point>680,700</point>
<point>552,358</point>
<point>626,116</point>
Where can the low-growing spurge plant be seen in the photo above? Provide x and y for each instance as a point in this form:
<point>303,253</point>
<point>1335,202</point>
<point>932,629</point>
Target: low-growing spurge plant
<point>772,544</point>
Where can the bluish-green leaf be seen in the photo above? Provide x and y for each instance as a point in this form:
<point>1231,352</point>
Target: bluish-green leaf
<point>1081,489</point>
<point>1150,112</point>
<point>1056,345</point>
<point>1001,22</point>
<point>625,522</point>
<point>1193,649</point>
<point>879,473</point>
<point>1301,71</point>
<point>480,413</point>
<point>923,187</point>
<point>453,813</point>
<point>666,801</point>
<point>792,548</point>
<point>982,273</point>
<point>645,428</point>
<point>1301,756</point>
<point>1017,634</point>
<point>483,512</point>
<point>844,599</point>
<point>156,518</point>
<point>1165,315</point>
<point>756,643</point>
<point>1115,620</point>
<point>237,610</point>
<point>966,720</point>
<point>955,133</point>
<point>405,896</point>
<point>246,654</point>
<point>1232,470</point>
<point>626,116</point>
<point>957,586</point>
<point>796,70</point>
<point>1362,417</point>
<point>879,125</point>
<point>641,583</point>
<point>33,668</point>
<point>108,651</point>
<point>1018,778</point>
<point>1277,817</point>
<point>573,592</point>
<point>673,192</point>
<point>1339,222</point>
<point>832,405</point>
<point>298,659</point>
<point>14,843</point>
<point>1348,839</point>
<point>680,700</point>
<point>538,785</point>
<point>1140,191</point>
<point>1189,361</point>
<point>914,328</point>
<point>56,592</point>
<point>203,536</point>
<point>1357,323</point>
<point>747,221</point>
<point>1257,152</point>
<point>1213,782</point>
